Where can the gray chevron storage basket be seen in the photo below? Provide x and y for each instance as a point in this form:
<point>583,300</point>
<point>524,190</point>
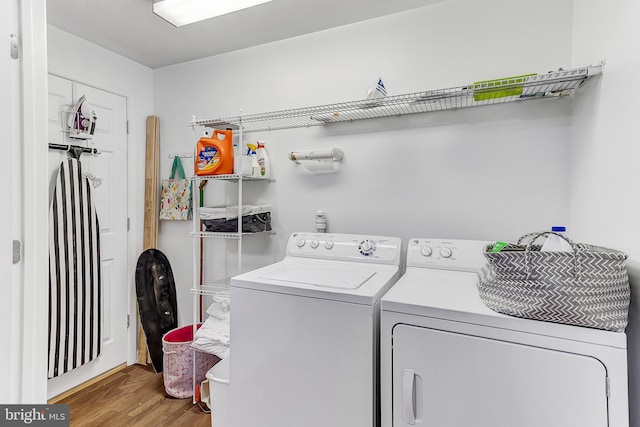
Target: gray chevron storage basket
<point>587,287</point>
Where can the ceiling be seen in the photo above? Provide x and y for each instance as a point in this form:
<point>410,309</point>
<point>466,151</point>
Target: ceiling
<point>129,28</point>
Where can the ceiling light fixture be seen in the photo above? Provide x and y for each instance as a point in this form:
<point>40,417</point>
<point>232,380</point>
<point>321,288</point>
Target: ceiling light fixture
<point>183,12</point>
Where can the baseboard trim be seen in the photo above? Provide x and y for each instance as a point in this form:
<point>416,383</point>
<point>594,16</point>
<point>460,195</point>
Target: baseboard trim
<point>84,385</point>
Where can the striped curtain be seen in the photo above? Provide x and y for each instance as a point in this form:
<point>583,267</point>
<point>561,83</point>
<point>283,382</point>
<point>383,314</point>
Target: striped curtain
<point>74,272</point>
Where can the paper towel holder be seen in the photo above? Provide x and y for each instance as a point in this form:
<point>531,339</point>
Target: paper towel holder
<point>324,161</point>
<point>334,154</point>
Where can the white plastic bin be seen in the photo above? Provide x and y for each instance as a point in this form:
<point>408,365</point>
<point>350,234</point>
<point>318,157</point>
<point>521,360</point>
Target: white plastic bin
<point>218,378</point>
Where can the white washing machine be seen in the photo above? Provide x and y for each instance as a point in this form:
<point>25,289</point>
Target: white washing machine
<point>305,333</point>
<point>449,361</point>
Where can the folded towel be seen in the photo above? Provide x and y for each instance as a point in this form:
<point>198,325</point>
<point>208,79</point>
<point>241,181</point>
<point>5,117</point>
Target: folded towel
<point>222,298</point>
<point>231,212</point>
<point>221,307</point>
<point>222,351</point>
<point>213,337</point>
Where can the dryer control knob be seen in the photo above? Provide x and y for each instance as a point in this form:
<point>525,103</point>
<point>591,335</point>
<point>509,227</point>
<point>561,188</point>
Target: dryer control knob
<point>300,242</point>
<point>314,244</point>
<point>446,252</point>
<point>426,251</point>
<point>328,244</point>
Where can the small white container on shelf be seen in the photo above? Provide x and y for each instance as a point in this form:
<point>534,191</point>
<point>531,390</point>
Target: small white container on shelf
<point>263,161</point>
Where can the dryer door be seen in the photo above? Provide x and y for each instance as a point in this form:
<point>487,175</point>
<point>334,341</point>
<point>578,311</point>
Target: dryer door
<point>447,379</point>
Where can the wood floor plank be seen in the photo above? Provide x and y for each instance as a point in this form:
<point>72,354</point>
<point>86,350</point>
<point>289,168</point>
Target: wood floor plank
<point>134,397</point>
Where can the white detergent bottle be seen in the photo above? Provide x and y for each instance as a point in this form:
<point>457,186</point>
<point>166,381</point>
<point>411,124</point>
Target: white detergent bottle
<point>263,161</point>
<point>255,166</point>
<point>555,243</point>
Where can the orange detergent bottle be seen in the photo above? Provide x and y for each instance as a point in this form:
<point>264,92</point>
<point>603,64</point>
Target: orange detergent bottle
<point>214,156</point>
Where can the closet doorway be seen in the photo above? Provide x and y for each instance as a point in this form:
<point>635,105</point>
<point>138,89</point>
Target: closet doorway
<point>110,199</point>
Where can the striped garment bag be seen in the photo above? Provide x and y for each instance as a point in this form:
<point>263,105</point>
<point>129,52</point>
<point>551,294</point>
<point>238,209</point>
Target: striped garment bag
<point>74,272</point>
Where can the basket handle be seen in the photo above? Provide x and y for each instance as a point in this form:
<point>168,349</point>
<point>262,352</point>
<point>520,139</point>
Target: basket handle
<point>165,351</point>
<point>264,221</point>
<point>267,217</point>
<point>532,237</point>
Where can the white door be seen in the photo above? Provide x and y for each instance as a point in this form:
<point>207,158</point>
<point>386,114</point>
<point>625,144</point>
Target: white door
<point>446,379</point>
<point>9,122</point>
<point>110,198</point>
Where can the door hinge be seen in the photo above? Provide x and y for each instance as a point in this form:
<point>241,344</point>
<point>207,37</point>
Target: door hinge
<point>607,384</point>
<point>127,127</point>
<point>128,321</point>
<point>16,251</point>
<point>128,224</point>
<point>13,41</point>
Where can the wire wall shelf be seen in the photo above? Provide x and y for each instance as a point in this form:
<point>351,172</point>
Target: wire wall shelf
<point>229,177</point>
<point>536,86</point>
<point>232,236</point>
<point>217,288</point>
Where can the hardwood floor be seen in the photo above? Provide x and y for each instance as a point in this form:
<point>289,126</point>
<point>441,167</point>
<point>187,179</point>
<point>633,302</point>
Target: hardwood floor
<point>134,396</point>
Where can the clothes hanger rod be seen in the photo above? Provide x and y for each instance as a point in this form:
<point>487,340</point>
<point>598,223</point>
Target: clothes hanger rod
<point>67,147</point>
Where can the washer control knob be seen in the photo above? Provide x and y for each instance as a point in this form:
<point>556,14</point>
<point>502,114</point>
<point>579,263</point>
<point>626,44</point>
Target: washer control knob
<point>300,242</point>
<point>446,252</point>
<point>367,247</point>
<point>426,251</point>
<point>314,243</point>
<point>328,244</point>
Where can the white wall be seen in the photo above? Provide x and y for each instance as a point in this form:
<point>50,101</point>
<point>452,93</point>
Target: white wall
<point>75,59</point>
<point>604,207</point>
<point>488,173</point>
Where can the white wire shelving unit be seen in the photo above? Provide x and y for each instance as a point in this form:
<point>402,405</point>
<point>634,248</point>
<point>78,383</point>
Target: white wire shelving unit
<point>512,89</point>
<point>197,231</point>
<point>237,235</point>
<point>220,287</point>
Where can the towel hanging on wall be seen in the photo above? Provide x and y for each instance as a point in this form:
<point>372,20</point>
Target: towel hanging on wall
<point>75,332</point>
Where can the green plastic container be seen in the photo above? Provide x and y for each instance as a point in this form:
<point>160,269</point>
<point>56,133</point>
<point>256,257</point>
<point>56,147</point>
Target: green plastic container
<point>499,88</point>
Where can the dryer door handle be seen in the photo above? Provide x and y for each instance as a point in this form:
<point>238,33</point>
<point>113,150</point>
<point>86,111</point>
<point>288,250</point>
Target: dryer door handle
<point>408,396</point>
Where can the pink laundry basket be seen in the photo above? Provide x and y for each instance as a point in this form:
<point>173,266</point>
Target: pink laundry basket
<point>178,362</point>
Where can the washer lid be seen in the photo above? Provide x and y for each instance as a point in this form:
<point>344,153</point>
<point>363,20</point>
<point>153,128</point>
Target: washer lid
<point>453,295</point>
<point>324,276</point>
<point>354,282</point>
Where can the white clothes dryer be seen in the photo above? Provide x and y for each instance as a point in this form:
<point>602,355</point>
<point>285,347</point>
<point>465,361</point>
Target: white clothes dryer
<point>449,361</point>
<point>305,333</point>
